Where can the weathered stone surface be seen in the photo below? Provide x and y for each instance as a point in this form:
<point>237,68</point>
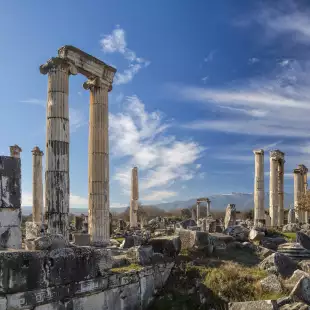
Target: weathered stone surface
<point>10,237</point>
<point>33,230</point>
<point>290,228</point>
<point>51,306</point>
<point>141,254</point>
<point>194,239</point>
<point>238,232</point>
<point>168,245</point>
<point>22,271</point>
<point>272,243</point>
<point>81,239</point>
<point>10,182</point>
<point>294,279</point>
<point>271,284</point>
<point>185,224</point>
<point>131,241</point>
<point>3,303</point>
<point>291,219</point>
<point>256,235</point>
<point>230,216</point>
<point>254,305</point>
<point>301,291</point>
<point>10,217</point>
<point>264,252</point>
<point>279,264</point>
<point>303,239</point>
<point>47,242</point>
<point>305,265</point>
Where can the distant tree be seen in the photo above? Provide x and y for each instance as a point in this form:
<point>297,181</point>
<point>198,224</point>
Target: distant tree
<point>186,213</point>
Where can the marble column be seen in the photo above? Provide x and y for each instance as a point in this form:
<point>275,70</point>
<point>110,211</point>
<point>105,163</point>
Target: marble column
<point>134,198</point>
<point>273,191</point>
<point>303,189</point>
<point>208,207</point>
<point>37,186</point>
<point>197,211</point>
<point>259,189</point>
<point>297,193</point>
<point>57,186</point>
<point>281,192</point>
<point>305,179</point>
<point>98,161</point>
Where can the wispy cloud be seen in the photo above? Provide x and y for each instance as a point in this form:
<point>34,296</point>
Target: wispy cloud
<point>210,56</point>
<point>116,43</point>
<point>141,138</point>
<point>205,79</point>
<point>253,60</point>
<point>34,101</point>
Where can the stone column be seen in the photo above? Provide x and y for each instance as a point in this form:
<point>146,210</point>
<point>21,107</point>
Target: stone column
<point>297,193</point>
<point>208,207</point>
<point>305,192</point>
<point>57,190</point>
<point>273,190</point>
<point>37,185</point>
<point>259,189</point>
<point>98,162</point>
<point>281,191</point>
<point>134,198</point>
<point>198,211</point>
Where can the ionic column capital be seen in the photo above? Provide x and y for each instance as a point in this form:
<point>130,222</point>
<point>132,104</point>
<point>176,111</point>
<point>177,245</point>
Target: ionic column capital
<point>97,83</point>
<point>15,151</point>
<point>37,152</point>
<point>258,152</point>
<point>58,63</point>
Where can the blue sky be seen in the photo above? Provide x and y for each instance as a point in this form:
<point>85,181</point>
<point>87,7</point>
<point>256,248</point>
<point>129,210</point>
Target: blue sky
<point>200,84</point>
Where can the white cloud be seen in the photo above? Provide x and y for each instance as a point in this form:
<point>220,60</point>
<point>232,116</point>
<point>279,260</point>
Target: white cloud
<point>118,205</point>
<point>159,195</point>
<point>205,79</point>
<point>253,60</point>
<point>119,98</point>
<point>75,200</point>
<point>34,101</point>
<point>76,119</point>
<point>116,43</point>
<point>276,105</point>
<point>210,56</point>
<point>141,139</point>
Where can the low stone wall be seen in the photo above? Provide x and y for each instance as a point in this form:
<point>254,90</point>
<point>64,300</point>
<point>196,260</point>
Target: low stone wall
<point>75,278</point>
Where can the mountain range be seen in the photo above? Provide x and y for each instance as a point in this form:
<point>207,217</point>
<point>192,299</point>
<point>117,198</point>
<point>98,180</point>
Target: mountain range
<point>243,201</point>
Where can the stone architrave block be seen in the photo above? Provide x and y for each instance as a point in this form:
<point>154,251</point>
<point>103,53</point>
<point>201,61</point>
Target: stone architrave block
<point>10,217</point>
<point>22,271</point>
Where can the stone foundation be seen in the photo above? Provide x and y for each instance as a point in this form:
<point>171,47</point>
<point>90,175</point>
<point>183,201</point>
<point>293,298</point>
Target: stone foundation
<point>75,278</point>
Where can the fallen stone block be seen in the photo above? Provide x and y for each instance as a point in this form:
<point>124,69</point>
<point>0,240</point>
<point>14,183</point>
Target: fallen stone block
<point>294,279</point>
<point>194,239</point>
<point>271,284</point>
<point>169,246</point>
<point>47,242</point>
<point>239,233</point>
<point>254,305</point>
<point>140,255</point>
<point>303,239</point>
<point>294,251</point>
<point>305,265</point>
<point>131,241</point>
<point>301,291</point>
<point>256,235</point>
<point>279,264</point>
<point>293,227</point>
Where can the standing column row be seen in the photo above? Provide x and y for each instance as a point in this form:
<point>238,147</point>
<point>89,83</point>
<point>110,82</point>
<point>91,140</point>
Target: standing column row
<point>57,184</point>
<point>300,188</point>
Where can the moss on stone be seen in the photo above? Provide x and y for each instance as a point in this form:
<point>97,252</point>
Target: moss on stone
<point>131,267</point>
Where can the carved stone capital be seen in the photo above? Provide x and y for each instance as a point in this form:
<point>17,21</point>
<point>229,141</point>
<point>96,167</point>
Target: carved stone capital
<point>58,63</point>
<point>15,151</point>
<point>303,169</point>
<point>97,83</point>
<point>277,155</point>
<point>259,152</point>
<point>36,151</point>
<point>297,171</point>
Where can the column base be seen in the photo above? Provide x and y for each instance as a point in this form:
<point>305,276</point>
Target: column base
<point>100,244</point>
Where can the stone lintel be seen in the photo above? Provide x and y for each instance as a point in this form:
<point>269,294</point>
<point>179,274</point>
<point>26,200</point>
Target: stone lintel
<point>259,152</point>
<point>86,64</point>
<point>36,151</point>
<point>277,155</point>
<point>98,83</point>
<point>57,62</point>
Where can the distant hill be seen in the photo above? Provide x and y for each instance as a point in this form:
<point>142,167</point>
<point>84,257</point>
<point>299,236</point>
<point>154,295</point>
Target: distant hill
<point>243,201</point>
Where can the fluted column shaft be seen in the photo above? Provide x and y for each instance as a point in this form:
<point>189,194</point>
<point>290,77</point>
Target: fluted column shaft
<point>198,212</point>
<point>259,189</point>
<point>134,198</point>
<point>305,184</point>
<point>37,186</point>
<point>298,184</point>
<point>57,184</point>
<point>98,163</point>
<point>208,208</point>
<point>281,192</point>
<point>273,192</point>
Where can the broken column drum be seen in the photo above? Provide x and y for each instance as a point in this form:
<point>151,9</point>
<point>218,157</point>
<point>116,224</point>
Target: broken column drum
<point>37,186</point>
<point>259,189</point>
<point>57,186</point>
<point>134,198</point>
